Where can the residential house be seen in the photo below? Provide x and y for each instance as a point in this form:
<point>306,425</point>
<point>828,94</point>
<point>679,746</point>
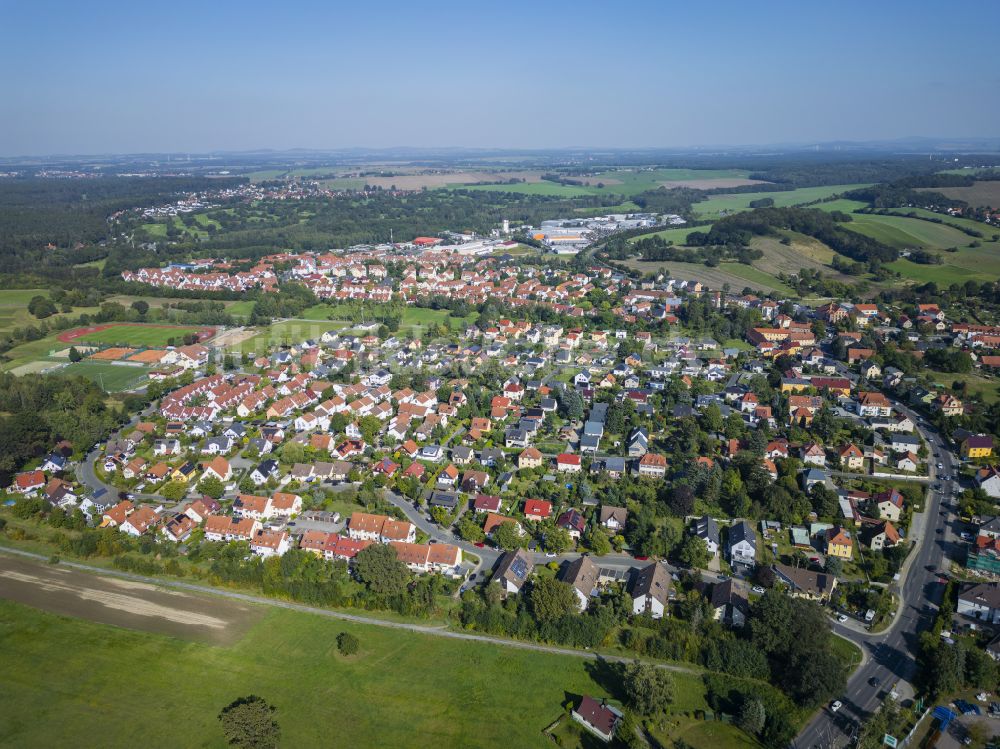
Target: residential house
<point>649,588</point>
<point>582,573</point>
<point>742,544</point>
<point>513,570</point>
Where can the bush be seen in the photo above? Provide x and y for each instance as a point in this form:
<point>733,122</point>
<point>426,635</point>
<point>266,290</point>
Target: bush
<point>347,643</point>
<point>249,722</point>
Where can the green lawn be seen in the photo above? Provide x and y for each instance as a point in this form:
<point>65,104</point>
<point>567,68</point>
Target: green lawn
<point>731,203</point>
<point>114,378</point>
<point>138,335</point>
<point>757,276</point>
<point>117,687</point>
<point>240,309</point>
<point>539,188</point>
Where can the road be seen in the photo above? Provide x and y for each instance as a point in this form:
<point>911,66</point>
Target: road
<point>889,655</point>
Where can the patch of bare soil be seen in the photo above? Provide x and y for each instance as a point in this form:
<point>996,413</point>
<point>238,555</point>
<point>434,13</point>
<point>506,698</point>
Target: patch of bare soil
<point>124,603</point>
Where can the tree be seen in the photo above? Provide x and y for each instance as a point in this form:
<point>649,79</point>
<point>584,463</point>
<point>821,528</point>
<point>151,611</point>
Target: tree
<point>507,535</point>
<point>249,722</point>
<point>558,540</point>
<point>693,553</point>
<point>551,599</point>
<point>834,566</point>
<point>752,716</point>
<point>41,307</point>
<point>74,354</point>
<point>347,643</point>
<point>379,568</point>
<point>212,486</point>
<point>175,490</point>
<point>598,541</point>
<point>648,689</point>
<point>140,306</point>
<point>469,530</point>
<point>681,501</point>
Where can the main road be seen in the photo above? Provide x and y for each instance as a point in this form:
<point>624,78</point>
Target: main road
<point>889,656</point>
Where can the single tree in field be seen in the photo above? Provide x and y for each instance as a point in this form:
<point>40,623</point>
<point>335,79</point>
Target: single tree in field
<point>648,689</point>
<point>249,722</point>
<point>347,643</point>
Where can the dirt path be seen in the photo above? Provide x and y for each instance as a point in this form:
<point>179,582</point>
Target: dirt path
<point>61,589</point>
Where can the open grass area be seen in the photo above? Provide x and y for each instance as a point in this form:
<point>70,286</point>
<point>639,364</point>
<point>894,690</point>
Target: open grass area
<point>736,275</point>
<point>402,689</point>
<point>14,308</point>
<point>113,378</point>
<point>678,236</point>
<point>540,188</point>
<point>32,351</point>
<point>984,193</point>
<point>986,387</point>
<point>907,233</point>
<point>940,274</point>
<point>720,205</point>
<point>240,309</point>
<point>987,230</point>
<point>138,335</point>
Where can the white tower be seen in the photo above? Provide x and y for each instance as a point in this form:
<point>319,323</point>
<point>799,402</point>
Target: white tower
<point>506,226</point>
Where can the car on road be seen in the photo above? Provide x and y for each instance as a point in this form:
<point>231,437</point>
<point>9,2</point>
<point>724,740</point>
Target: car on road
<point>757,589</point>
<point>642,559</point>
<point>940,466</point>
<point>842,618</point>
<point>835,706</point>
<point>550,554</point>
<point>874,681</point>
<point>480,545</point>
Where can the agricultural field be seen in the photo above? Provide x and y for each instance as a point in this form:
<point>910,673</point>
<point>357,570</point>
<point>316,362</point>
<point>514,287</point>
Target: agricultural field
<point>113,378</point>
<point>627,182</point>
<point>985,193</point>
<point>720,205</point>
<point>119,334</point>
<point>986,230</point>
<point>940,274</point>
<point>61,671</point>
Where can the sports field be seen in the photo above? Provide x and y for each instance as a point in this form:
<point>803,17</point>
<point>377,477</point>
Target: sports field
<point>110,686</point>
<point>114,378</point>
<point>129,334</point>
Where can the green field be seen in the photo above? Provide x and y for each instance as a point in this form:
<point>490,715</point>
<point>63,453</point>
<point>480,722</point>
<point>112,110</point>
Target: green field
<point>718,205</point>
<point>961,223</point>
<point>736,275</point>
<point>14,308</point>
<point>677,236</point>
<point>940,274</point>
<point>113,378</point>
<point>118,687</point>
<point>907,233</point>
<point>240,309</point>
<point>539,188</point>
<point>138,335</point>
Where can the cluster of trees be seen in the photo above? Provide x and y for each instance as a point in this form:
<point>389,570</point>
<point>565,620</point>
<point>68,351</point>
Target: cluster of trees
<point>40,411</point>
<point>826,226</point>
<point>656,249</point>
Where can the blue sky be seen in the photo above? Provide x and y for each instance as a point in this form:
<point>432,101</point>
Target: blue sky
<point>117,77</point>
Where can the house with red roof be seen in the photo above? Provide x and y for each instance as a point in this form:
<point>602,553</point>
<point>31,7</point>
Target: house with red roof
<point>537,509</point>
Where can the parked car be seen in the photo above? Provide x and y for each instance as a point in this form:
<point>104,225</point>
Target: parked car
<point>758,590</point>
<point>835,706</point>
<point>842,618</point>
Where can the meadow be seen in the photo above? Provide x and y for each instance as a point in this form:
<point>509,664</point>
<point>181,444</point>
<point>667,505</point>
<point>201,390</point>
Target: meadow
<point>719,205</point>
<point>907,233</point>
<point>118,687</point>
<point>736,275</point>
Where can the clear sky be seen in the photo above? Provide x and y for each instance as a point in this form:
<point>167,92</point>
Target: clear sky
<point>121,77</point>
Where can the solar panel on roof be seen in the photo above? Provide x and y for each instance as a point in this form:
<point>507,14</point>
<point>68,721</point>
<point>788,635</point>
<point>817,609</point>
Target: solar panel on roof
<point>520,567</point>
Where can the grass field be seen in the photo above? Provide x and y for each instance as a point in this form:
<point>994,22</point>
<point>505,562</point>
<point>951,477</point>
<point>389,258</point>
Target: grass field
<point>907,233</point>
<point>678,236</point>
<point>719,205</point>
<point>14,308</point>
<point>985,193</point>
<point>240,309</point>
<point>736,275</point>
<point>138,335</point>
<point>403,689</point>
<point>114,378</point>
<point>962,223</point>
<point>623,182</point>
<point>987,388</point>
<point>941,274</point>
